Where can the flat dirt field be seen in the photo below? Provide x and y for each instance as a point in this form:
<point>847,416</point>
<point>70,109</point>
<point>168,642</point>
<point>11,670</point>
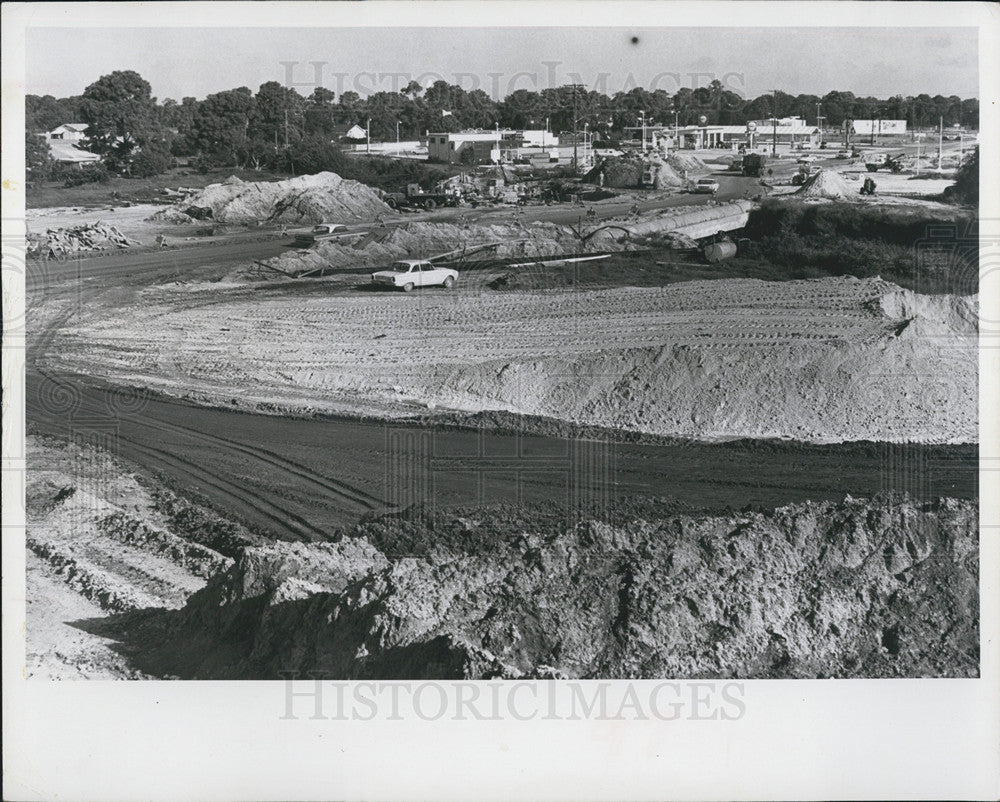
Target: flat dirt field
<point>825,360</point>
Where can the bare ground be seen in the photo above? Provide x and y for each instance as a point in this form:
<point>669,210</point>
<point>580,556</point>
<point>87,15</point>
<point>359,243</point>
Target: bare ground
<point>825,360</point>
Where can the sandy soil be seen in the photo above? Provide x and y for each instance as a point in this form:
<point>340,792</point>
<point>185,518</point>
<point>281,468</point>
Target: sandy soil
<point>825,360</point>
<point>97,547</point>
<point>898,184</point>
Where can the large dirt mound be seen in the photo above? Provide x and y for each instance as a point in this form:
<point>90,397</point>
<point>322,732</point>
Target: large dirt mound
<point>305,199</point>
<point>629,171</point>
<point>826,184</point>
<point>419,240</point>
<point>861,588</point>
<point>820,360</point>
<point>686,161</point>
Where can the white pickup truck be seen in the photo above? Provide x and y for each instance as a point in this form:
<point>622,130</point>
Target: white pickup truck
<point>410,273</point>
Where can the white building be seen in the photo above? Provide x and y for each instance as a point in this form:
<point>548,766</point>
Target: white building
<point>479,147</point>
<point>876,127</point>
<point>63,142</point>
<point>348,132</point>
<point>68,132</point>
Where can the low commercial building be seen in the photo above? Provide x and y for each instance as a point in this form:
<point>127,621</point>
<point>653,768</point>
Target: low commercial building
<point>483,146</point>
<point>876,129</point>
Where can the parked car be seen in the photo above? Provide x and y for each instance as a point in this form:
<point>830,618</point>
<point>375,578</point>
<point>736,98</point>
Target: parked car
<point>410,273</point>
<point>323,231</point>
<point>806,159</point>
<point>706,186</point>
<point>843,154</point>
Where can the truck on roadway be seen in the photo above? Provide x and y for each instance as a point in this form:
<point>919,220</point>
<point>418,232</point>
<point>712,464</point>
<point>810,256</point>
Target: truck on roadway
<point>753,164</point>
<point>415,197</point>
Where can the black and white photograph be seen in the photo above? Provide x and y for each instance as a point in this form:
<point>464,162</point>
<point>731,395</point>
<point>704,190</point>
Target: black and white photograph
<point>510,354</point>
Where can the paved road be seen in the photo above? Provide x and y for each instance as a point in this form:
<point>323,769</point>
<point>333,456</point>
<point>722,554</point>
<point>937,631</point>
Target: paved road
<point>301,479</point>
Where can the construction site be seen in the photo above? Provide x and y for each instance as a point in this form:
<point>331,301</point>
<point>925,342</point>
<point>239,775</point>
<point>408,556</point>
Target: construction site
<point>575,400</point>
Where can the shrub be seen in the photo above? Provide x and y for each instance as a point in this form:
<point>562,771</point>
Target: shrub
<point>149,163</point>
<point>91,174</point>
<point>966,187</point>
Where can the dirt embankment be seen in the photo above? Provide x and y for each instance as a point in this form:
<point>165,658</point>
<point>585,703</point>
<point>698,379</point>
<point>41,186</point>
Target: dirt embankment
<point>827,360</point>
<point>125,581</point>
<point>415,240</point>
<point>305,199</point>
<point>101,544</point>
<point>861,588</point>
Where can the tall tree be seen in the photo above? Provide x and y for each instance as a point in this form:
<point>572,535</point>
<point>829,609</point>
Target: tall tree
<point>121,116</point>
<point>221,124</point>
<point>280,111</point>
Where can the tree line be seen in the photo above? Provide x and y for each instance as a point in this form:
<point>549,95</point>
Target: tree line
<point>276,127</point>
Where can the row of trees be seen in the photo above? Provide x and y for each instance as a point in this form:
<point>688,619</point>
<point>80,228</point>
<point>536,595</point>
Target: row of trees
<point>136,134</point>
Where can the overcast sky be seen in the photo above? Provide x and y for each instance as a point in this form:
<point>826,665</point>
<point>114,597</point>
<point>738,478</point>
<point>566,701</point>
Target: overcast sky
<point>199,61</point>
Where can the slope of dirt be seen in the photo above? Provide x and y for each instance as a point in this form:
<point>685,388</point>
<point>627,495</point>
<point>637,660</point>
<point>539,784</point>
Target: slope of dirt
<point>825,360</point>
<point>861,588</point>
<point>827,184</point>
<point>418,240</point>
<point>305,199</point>
<point>97,545</point>
<point>688,162</point>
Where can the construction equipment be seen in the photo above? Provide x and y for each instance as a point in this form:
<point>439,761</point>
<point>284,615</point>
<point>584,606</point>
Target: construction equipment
<point>754,164</point>
<point>416,197</point>
<point>893,163</point>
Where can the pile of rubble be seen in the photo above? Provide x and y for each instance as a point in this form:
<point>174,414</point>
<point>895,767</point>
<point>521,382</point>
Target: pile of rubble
<point>305,199</point>
<point>85,238</point>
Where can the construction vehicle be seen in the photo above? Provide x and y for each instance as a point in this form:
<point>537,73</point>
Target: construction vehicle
<point>892,163</point>
<point>753,164</point>
<point>415,197</point>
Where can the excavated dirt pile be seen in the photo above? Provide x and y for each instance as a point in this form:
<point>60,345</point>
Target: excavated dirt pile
<point>823,360</point>
<point>305,199</point>
<point>827,184</point>
<point>628,171</point>
<point>884,587</point>
<point>688,162</point>
<point>417,240</point>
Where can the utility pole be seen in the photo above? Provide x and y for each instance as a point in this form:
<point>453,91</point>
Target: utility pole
<point>941,145</point>
<point>397,137</point>
<point>642,120</point>
<point>576,164</point>
<point>286,129</point>
<point>819,123</point>
<point>368,136</point>
<point>774,122</point>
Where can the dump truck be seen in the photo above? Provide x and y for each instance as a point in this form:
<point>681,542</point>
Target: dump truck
<point>415,197</point>
<point>753,164</point>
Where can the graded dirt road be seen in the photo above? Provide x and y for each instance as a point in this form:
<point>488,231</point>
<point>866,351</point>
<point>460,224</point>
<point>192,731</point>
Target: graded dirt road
<point>300,478</point>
